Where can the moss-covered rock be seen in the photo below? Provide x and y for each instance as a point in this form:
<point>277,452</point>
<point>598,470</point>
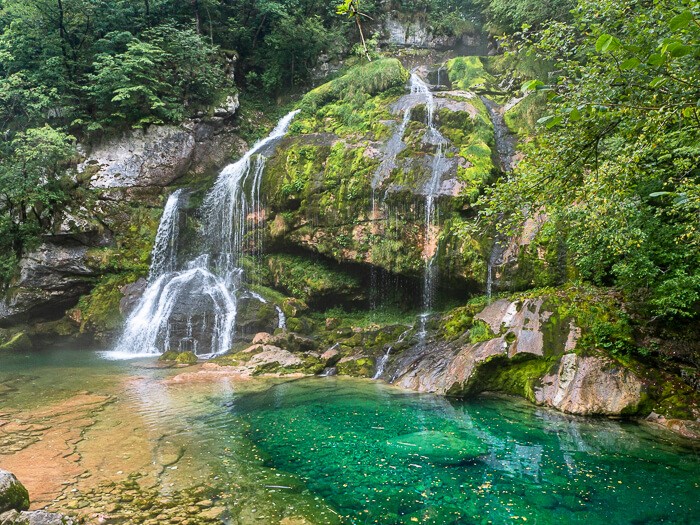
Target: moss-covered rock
<point>368,79</point>
<point>19,342</point>
<point>356,366</point>
<point>314,281</point>
<point>336,188</point>
<point>13,495</point>
<point>180,358</point>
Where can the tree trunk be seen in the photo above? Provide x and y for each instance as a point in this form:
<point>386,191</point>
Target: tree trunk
<point>362,36</point>
<point>195,4</point>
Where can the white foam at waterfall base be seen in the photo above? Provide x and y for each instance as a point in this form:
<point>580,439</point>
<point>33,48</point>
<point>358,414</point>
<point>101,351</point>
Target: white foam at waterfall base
<point>205,288</point>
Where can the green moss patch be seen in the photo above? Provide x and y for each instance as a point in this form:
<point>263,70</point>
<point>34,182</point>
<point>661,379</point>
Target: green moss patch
<point>313,281</point>
<point>367,79</point>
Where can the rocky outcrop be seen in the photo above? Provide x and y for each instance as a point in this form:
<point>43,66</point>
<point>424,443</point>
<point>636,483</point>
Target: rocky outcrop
<point>51,279</point>
<point>37,517</point>
<point>530,355</point>
<point>590,385</point>
<point>153,157</point>
<point>159,155</point>
<point>415,32</point>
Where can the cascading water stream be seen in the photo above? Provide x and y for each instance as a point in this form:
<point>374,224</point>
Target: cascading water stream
<point>435,138</point>
<point>393,147</point>
<point>381,362</point>
<point>164,253</point>
<point>194,307</point>
<point>419,93</point>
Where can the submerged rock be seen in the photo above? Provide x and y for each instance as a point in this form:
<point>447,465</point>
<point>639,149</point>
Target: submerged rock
<point>37,517</point>
<point>13,495</point>
<point>682,427</point>
<point>17,343</point>
<point>438,447</point>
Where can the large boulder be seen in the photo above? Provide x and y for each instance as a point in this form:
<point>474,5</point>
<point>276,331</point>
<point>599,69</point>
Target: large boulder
<point>153,157</point>
<point>13,495</point>
<point>590,385</point>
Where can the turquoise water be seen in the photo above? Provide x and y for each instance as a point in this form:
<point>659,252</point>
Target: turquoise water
<point>378,455</point>
<point>337,450</point>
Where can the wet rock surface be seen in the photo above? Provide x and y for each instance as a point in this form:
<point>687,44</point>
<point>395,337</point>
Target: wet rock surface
<point>36,517</point>
<point>51,278</point>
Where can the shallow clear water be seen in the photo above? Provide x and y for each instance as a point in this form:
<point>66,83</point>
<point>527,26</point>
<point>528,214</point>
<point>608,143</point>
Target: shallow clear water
<point>339,450</point>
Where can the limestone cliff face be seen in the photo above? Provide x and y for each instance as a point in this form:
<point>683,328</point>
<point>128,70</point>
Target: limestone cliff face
<point>159,155</point>
<point>413,30</point>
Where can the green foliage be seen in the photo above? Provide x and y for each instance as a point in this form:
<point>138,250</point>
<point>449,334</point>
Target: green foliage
<point>158,78</point>
<point>312,280</point>
<point>99,311</point>
<point>615,157</point>
<point>32,189</point>
<point>508,16</point>
<point>389,315</point>
<point>468,72</point>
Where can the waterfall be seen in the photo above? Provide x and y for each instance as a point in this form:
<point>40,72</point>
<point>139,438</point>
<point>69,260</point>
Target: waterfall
<point>431,190</point>
<point>164,254</point>
<point>235,200</point>
<point>194,307</point>
<point>419,93</point>
<point>394,146</point>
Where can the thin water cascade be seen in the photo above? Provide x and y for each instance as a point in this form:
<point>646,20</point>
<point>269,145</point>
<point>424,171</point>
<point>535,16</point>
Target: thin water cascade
<point>281,318</point>
<point>394,146</point>
<point>381,363</point>
<point>420,92</point>
<point>194,306</point>
<point>431,190</point>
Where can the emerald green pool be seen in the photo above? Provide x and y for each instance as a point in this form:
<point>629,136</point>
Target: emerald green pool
<point>336,450</point>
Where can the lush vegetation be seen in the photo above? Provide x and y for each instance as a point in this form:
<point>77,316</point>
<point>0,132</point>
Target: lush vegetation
<point>509,16</point>
<point>615,159</point>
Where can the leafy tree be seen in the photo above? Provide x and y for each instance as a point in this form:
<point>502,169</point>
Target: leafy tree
<point>32,189</point>
<point>616,159</point>
<point>508,16</point>
<point>156,79</point>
